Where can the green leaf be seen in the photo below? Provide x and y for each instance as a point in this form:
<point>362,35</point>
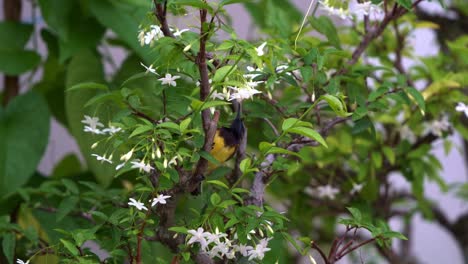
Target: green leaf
<point>223,72</point>
<point>88,85</point>
<point>140,130</point>
<point>124,23</point>
<point>59,21</point>
<point>16,62</point>
<point>215,199</point>
<point>355,213</point>
<point>69,245</point>
<point>325,26</point>
<point>209,157</point>
<point>21,147</point>
<point>389,154</point>
<point>245,165</point>
<point>8,246</point>
<point>184,124</point>
<point>310,133</point>
<point>278,150</point>
<point>417,96</point>
<point>405,3</point>
<point>66,206</point>
<point>170,125</point>
<point>86,68</point>
<point>179,229</point>
<point>219,183</point>
<point>377,159</point>
<point>288,123</point>
<point>336,104</point>
<point>212,104</point>
<point>14,35</point>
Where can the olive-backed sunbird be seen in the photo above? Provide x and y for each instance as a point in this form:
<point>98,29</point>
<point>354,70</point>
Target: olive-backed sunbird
<point>227,139</point>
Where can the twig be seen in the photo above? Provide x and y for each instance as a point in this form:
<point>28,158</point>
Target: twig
<point>320,251</point>
<point>240,155</point>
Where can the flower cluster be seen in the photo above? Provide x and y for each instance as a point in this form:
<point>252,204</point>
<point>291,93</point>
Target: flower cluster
<point>462,107</point>
<point>149,37</point>
<point>92,124</point>
<point>354,8</point>
<point>160,199</point>
<point>438,127</point>
<point>218,245</point>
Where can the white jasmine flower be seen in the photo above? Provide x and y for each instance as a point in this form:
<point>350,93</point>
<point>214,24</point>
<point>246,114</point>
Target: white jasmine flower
<point>169,79</point>
<point>198,236</point>
<point>149,68</point>
<point>92,122</point>
<point>216,237</point>
<point>154,34</point>
<point>407,133</point>
<point>251,75</point>
<point>141,37</point>
<point>340,12</point>
<point>102,158</point>
<point>260,249</point>
<point>259,49</point>
<point>120,166</point>
<point>282,68</point>
<point>165,163</point>
<point>139,205</point>
<point>437,127</point>
<point>141,166</point>
<point>461,107</point>
<point>219,250</point>
<point>111,130</point>
<point>173,161</point>
<point>96,131</point>
<point>216,95</point>
<point>364,9</point>
<point>127,156</point>
<point>243,93</point>
<point>356,188</point>
<point>327,191</point>
<point>161,199</point>
<point>19,261</point>
<point>243,249</point>
<point>158,153</point>
<point>178,32</point>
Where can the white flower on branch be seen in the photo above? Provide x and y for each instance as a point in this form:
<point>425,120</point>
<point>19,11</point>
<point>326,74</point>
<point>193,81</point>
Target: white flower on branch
<point>92,124</point>
<point>154,34</point>
<point>139,205</point>
<point>243,249</point>
<point>19,261</point>
<point>169,79</point>
<point>120,166</point>
<point>260,48</point>
<point>357,187</point>
<point>141,166</point>
<point>161,199</point>
<point>462,107</point>
<point>407,133</point>
<point>198,236</point>
<point>260,249</point>
<point>335,11</point>
<point>102,158</point>
<point>127,156</point>
<point>149,68</point>
<point>327,191</point>
<point>178,33</point>
<point>251,75</point>
<point>437,127</point>
<point>365,9</point>
<point>111,130</point>
<point>242,93</point>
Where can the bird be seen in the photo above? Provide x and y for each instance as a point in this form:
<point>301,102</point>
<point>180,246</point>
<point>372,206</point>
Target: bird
<point>226,141</point>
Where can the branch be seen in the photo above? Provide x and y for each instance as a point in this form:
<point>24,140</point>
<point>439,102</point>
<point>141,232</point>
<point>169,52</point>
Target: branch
<point>209,126</point>
<point>240,155</point>
<point>160,11</point>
